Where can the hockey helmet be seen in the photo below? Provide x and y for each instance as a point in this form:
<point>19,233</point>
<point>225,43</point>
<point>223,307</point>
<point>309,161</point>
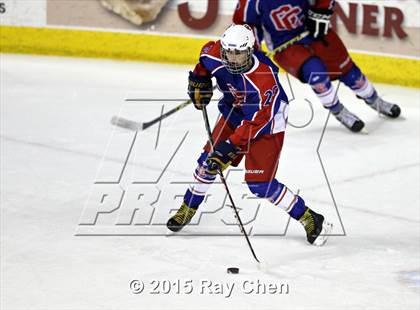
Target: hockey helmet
<point>237,46</point>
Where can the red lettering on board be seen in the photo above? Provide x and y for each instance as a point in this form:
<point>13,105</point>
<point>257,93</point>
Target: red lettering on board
<point>199,23</point>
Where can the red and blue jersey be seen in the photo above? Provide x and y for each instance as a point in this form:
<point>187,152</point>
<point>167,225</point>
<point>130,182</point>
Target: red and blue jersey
<point>277,21</point>
<point>253,102</point>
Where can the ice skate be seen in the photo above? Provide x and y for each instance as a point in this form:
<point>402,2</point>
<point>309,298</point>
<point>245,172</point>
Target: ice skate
<point>316,228</point>
<point>349,120</point>
<point>182,217</point>
<point>385,108</point>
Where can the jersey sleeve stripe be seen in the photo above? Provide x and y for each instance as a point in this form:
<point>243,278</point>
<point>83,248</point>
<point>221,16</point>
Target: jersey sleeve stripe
<point>216,69</point>
<point>211,57</point>
<point>246,11</point>
<point>257,7</point>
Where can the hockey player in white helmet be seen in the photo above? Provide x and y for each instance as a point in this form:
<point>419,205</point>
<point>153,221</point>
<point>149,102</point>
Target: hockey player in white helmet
<point>237,49</point>
<point>254,112</point>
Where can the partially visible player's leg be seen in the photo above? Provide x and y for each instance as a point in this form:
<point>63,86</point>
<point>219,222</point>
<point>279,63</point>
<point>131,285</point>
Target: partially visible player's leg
<point>302,62</point>
<point>335,56</point>
<point>278,194</point>
<point>364,89</point>
<point>202,181</point>
<point>193,197</point>
<point>261,165</point>
<point>316,74</point>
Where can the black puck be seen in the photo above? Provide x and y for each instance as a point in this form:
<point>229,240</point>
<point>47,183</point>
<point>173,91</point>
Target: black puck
<point>233,270</point>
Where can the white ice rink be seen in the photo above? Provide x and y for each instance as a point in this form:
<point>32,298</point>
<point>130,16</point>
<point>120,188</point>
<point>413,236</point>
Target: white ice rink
<point>57,141</point>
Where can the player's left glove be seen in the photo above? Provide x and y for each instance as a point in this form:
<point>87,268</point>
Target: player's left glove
<point>221,157</point>
<point>318,22</point>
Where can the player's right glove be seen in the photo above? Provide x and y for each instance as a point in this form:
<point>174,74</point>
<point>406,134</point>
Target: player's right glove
<point>200,90</point>
<point>221,157</point>
<point>318,22</point>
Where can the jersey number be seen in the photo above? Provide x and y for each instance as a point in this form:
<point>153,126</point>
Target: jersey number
<point>286,17</point>
<point>270,94</point>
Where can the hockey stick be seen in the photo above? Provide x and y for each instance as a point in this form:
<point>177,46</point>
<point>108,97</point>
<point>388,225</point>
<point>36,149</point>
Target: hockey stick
<point>207,124</point>
<point>137,126</point>
<point>285,45</point>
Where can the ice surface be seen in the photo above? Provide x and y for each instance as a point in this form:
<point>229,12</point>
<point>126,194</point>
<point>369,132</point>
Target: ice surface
<point>57,141</point>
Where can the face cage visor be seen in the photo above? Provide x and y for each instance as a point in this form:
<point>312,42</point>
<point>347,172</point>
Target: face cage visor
<point>236,61</point>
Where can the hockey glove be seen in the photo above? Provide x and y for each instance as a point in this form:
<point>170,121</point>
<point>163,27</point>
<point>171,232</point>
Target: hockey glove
<point>200,90</point>
<point>221,157</point>
<point>318,22</point>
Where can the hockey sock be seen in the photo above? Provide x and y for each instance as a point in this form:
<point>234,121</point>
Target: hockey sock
<point>196,191</point>
<point>360,85</point>
<point>279,195</point>
<point>315,74</point>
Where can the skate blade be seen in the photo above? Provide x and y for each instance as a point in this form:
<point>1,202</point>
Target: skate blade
<point>323,236</point>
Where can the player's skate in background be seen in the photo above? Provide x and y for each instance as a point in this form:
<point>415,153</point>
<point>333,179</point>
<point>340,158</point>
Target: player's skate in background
<point>318,58</point>
<point>254,112</point>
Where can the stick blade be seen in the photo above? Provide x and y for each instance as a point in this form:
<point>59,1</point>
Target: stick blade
<point>126,123</point>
